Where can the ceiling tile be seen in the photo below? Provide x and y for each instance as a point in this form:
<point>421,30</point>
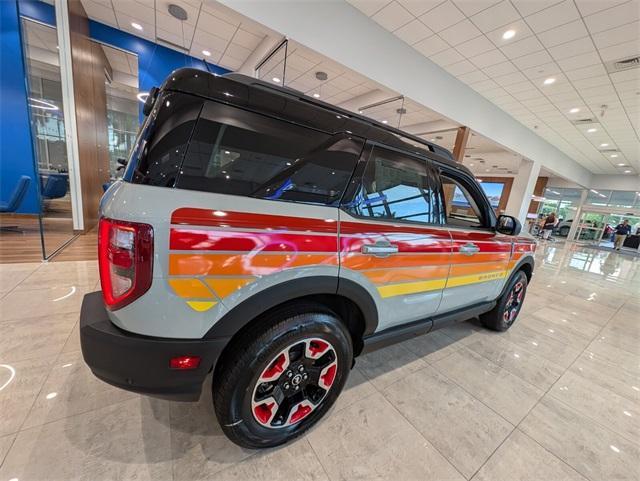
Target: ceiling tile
<point>588,7</point>
<point>460,32</point>
<point>496,16</point>
<point>209,41</point>
<point>100,12</point>
<point>231,63</point>
<point>503,68</point>
<point>563,33</point>
<point>579,61</point>
<point>418,7</point>
<point>542,71</point>
<point>527,7</point>
<point>486,59</point>
<point>216,26</point>
<point>471,7</point>
<point>471,77</point>
<point>623,50</point>
<point>430,46</point>
<point>393,16</point>
<point>369,7</point>
<point>136,10</point>
<point>613,17</point>
<point>573,48</point>
<point>474,47</point>
<point>442,16</point>
<point>554,16</point>
<point>585,72</point>
<point>413,32</point>
<point>484,85</point>
<point>447,57</point>
<point>519,87</point>
<point>247,39</point>
<point>625,33</point>
<point>509,79</point>
<point>592,82</point>
<point>124,22</point>
<point>532,60</point>
<point>460,68</point>
<point>523,47</point>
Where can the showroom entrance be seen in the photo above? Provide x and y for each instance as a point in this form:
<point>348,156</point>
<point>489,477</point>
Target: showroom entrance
<point>596,225</point>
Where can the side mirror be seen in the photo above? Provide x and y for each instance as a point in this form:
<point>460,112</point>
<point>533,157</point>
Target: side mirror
<point>508,225</point>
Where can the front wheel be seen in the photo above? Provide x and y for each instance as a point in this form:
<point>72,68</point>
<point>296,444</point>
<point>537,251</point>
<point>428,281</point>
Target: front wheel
<point>280,378</point>
<point>502,317</point>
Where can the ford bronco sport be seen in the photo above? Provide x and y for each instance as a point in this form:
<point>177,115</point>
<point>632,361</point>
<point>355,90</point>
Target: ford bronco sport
<point>267,239</point>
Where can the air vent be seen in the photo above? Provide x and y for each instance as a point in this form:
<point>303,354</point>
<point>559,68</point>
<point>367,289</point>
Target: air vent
<point>622,64</point>
<point>608,151</point>
<point>584,121</point>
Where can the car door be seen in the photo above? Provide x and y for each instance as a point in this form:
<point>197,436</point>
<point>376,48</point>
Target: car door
<point>392,240</point>
<point>480,256</point>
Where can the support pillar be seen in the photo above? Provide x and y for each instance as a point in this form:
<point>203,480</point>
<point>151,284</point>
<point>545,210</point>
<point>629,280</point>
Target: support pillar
<point>462,137</point>
<point>522,190</point>
<point>576,219</point>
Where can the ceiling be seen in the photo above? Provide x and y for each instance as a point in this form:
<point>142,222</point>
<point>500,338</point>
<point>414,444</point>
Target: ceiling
<point>571,41</point>
<point>564,40</point>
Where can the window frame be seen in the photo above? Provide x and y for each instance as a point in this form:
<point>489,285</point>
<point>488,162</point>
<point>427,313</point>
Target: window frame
<point>430,165</point>
<point>489,218</point>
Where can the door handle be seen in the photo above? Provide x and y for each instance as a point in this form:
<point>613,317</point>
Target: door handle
<point>380,249</point>
<point>469,249</point>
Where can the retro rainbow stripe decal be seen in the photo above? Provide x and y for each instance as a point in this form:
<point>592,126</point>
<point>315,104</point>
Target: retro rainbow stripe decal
<point>213,254</point>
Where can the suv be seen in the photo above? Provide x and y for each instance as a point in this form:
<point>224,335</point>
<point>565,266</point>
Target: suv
<point>268,239</point>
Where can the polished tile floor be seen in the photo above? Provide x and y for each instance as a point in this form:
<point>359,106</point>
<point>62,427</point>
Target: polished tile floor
<point>555,398</point>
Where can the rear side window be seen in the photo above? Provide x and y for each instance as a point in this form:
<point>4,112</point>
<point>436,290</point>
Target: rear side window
<point>398,187</point>
<point>236,152</point>
<point>462,209</point>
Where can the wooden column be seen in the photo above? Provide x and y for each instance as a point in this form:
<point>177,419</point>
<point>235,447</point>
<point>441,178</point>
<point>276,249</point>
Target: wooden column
<point>462,137</point>
<point>538,191</point>
<point>89,93</point>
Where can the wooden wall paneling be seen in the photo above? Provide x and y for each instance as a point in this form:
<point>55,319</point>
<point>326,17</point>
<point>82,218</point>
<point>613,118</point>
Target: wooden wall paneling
<point>460,145</point>
<point>538,190</point>
<point>91,112</point>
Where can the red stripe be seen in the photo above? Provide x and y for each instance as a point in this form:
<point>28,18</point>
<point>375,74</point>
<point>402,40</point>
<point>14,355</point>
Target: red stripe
<point>212,240</point>
<point>381,229</point>
<point>243,220</point>
<point>405,243</point>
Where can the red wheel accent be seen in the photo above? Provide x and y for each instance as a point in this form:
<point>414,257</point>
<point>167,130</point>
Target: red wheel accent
<point>276,368</point>
<point>264,412</point>
<point>316,347</point>
<point>299,412</point>
<point>328,376</point>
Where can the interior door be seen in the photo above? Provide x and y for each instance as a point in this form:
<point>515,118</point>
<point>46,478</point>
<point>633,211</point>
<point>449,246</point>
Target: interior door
<point>480,259</point>
<point>391,237</point>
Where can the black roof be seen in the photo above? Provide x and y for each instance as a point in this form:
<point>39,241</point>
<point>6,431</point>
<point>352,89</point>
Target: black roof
<point>294,106</point>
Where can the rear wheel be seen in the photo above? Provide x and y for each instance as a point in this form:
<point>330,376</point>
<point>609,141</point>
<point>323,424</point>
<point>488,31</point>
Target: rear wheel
<point>563,231</point>
<point>502,317</point>
<point>281,378</point>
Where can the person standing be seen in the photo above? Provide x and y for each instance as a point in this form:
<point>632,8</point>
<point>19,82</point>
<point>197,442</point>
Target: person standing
<point>548,225</point>
<point>622,231</point>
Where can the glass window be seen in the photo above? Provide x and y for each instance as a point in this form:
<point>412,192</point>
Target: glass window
<point>399,188</point>
<point>242,153</point>
<point>461,208</point>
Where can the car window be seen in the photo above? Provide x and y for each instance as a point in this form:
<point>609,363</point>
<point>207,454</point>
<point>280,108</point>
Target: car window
<point>461,208</point>
<point>233,151</point>
<point>397,187</point>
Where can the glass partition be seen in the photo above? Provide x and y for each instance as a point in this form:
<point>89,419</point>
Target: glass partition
<point>46,109</point>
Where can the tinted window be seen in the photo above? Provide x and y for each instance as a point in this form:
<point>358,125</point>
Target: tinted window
<point>161,144</point>
<point>242,153</point>
<point>462,209</point>
<point>399,188</point>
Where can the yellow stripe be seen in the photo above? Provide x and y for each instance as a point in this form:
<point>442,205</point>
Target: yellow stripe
<point>411,287</point>
<point>475,278</point>
<point>201,306</point>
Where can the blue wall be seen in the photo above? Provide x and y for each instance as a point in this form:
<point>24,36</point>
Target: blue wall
<point>16,145</point>
<point>155,62</point>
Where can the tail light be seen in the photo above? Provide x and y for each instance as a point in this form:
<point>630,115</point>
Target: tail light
<point>125,253</point>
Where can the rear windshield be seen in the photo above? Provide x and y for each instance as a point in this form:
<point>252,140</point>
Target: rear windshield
<point>233,151</point>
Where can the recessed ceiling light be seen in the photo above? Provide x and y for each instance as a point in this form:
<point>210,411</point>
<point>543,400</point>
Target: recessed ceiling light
<point>137,26</point>
<point>627,171</point>
<point>509,34</point>
<point>549,81</point>
<point>384,121</point>
<point>604,145</point>
<point>470,165</point>
<point>592,130</point>
<point>613,156</point>
<point>316,96</point>
<point>206,53</point>
<point>276,80</point>
<point>622,165</point>
<point>574,110</point>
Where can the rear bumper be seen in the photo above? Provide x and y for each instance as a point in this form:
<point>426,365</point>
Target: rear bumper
<point>141,363</point>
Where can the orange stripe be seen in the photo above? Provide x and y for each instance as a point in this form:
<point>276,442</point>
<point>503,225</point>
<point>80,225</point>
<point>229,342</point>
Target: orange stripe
<point>466,269</point>
<point>359,262</point>
<point>384,276</point>
<point>242,264</point>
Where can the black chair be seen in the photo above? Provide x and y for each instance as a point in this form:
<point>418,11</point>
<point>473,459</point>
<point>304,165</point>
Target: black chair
<point>14,202</point>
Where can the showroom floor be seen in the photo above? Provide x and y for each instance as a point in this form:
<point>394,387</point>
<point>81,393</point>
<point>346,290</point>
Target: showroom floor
<point>555,398</point>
